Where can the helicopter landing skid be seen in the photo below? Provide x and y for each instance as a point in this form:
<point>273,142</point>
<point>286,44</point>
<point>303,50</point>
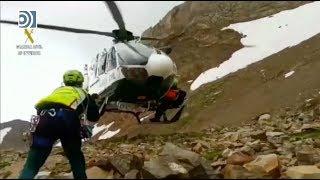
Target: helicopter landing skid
<point>136,114</point>
<point>139,119</point>
<point>175,116</point>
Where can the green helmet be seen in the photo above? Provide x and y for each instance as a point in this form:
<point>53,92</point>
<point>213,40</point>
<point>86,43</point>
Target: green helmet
<point>73,78</point>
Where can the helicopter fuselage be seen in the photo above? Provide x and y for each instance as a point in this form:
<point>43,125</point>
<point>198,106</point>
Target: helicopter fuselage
<point>131,72</point>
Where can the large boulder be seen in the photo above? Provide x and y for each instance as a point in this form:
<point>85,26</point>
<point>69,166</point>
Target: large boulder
<point>159,168</point>
<point>122,163</point>
<point>98,173</point>
<point>265,165</point>
<point>231,171</point>
<point>239,158</point>
<point>175,162</point>
<point>172,151</point>
<point>133,174</point>
<point>308,156</point>
<point>125,162</point>
<point>303,172</point>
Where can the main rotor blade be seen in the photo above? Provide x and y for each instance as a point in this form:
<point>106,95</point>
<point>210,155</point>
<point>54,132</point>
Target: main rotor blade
<point>65,29</point>
<point>116,14</point>
<point>148,38</point>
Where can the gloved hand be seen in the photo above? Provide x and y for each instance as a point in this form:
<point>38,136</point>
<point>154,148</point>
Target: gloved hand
<point>97,98</point>
<point>86,131</point>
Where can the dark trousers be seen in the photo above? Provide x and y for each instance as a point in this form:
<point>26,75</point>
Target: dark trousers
<point>53,125</point>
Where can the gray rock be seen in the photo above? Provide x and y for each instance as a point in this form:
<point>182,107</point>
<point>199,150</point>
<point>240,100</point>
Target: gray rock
<point>231,136</point>
<point>255,145</point>
<point>173,151</point>
<point>98,173</point>
<point>124,163</point>
<point>226,153</point>
<point>273,134</point>
<point>237,172</point>
<point>197,148</point>
<point>203,171</point>
<point>305,118</point>
<point>159,168</point>
<point>132,174</point>
<point>264,117</point>
<point>247,149</point>
<point>175,162</point>
<point>239,158</point>
<point>308,156</point>
<point>218,163</point>
<point>265,165</point>
<point>260,134</point>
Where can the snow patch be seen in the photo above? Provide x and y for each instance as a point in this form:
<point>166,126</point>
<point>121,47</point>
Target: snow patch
<point>190,81</point>
<point>288,74</point>
<point>146,117</point>
<point>4,132</point>
<point>177,168</point>
<point>109,134</point>
<point>266,36</point>
<point>308,100</point>
<point>42,175</point>
<point>97,129</point>
<point>105,134</point>
<point>58,144</point>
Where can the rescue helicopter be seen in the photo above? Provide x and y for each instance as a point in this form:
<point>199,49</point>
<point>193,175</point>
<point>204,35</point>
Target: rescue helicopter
<point>131,77</point>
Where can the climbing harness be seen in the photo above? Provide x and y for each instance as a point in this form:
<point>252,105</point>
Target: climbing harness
<point>34,121</point>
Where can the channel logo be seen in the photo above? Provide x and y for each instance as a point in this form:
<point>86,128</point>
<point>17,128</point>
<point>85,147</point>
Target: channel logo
<point>27,19</point>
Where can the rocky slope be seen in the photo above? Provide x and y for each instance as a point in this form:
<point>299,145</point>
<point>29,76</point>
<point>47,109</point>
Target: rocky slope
<point>193,30</point>
<point>284,144</point>
<point>14,137</point>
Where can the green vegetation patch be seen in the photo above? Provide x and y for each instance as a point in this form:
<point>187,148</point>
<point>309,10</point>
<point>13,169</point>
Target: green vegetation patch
<point>312,133</point>
<point>213,155</point>
<point>4,164</point>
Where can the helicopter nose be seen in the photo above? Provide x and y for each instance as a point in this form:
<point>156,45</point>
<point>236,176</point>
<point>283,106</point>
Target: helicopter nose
<point>160,65</point>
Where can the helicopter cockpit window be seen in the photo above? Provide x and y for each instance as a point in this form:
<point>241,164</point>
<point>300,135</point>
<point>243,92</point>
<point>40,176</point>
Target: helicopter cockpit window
<point>132,53</point>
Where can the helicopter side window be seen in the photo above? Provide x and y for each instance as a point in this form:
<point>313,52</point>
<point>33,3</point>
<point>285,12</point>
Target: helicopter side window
<point>102,64</point>
<point>111,62</point>
<point>113,58</point>
<point>108,62</point>
<point>95,69</point>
